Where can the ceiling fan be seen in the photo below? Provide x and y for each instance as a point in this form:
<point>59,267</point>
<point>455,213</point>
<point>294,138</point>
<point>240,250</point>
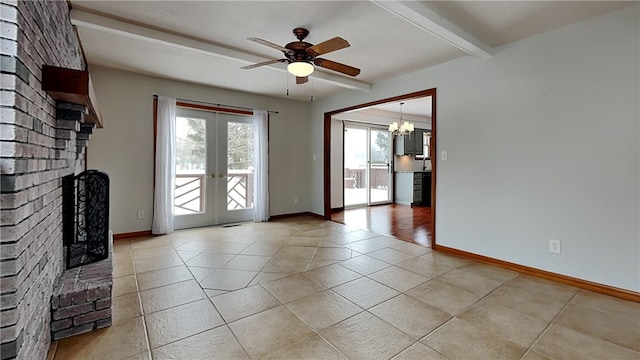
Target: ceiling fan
<point>301,56</point>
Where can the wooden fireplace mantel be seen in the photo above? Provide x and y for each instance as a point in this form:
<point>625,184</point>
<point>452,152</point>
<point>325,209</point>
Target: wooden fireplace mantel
<point>73,86</point>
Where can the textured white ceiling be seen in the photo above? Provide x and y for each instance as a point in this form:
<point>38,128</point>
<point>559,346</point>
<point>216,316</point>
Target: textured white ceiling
<point>383,45</point>
<point>500,22</point>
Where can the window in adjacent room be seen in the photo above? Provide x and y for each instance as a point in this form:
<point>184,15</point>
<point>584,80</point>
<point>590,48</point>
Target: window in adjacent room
<point>426,145</point>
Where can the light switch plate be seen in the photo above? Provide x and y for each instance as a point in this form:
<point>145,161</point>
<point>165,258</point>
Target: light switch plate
<point>443,155</point>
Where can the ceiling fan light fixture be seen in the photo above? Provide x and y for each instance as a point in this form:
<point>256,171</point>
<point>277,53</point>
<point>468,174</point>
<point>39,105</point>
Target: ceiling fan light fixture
<point>302,57</point>
<point>300,68</point>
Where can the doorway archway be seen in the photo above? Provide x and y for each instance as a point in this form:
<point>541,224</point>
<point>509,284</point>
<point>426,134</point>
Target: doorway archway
<point>327,148</point>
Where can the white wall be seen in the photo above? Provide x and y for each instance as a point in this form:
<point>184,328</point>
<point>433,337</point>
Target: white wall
<point>124,147</point>
<point>542,141</point>
<point>337,163</point>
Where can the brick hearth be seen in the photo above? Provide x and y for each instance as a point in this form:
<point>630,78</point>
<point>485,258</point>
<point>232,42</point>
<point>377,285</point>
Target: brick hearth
<point>82,300</point>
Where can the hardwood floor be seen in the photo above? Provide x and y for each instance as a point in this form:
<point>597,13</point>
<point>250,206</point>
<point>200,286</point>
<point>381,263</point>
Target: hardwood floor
<point>411,224</point>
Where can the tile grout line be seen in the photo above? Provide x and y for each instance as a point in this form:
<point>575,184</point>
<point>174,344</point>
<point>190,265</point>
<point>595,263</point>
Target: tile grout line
<point>144,319</point>
<point>461,311</point>
<point>429,306</point>
<point>535,341</point>
<point>568,302</point>
<point>140,297</point>
<point>206,296</point>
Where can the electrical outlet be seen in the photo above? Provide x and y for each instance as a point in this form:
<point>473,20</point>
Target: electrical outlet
<point>554,246</point>
<point>140,214</point>
<point>296,200</point>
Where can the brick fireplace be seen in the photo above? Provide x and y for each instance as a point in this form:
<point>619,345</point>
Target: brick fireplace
<point>81,299</point>
<point>41,141</point>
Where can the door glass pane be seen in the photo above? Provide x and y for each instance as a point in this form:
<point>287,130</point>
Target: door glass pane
<point>380,179</point>
<point>355,166</point>
<point>240,165</point>
<point>191,158</point>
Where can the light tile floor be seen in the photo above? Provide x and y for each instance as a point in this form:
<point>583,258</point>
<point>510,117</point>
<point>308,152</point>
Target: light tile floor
<point>304,288</point>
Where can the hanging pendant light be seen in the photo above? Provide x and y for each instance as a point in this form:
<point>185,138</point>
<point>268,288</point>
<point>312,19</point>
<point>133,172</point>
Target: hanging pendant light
<point>403,128</point>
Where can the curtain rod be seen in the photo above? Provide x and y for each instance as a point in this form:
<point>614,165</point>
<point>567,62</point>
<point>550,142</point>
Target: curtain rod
<point>221,105</point>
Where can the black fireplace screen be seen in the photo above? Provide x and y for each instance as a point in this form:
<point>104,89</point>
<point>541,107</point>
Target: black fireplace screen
<point>85,202</point>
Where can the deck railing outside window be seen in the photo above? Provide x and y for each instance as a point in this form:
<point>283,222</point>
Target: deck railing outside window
<point>239,189</point>
<point>190,192</point>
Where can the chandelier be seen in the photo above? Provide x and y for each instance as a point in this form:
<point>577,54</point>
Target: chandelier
<point>404,128</point>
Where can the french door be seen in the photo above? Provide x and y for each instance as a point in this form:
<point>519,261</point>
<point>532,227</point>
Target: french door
<point>367,165</point>
<point>214,168</point>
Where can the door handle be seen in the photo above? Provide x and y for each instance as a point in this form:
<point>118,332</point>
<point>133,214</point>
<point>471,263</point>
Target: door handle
<point>222,176</point>
<point>211,176</point>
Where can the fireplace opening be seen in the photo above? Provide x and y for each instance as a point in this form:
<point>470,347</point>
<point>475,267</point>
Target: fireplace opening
<point>81,300</point>
<point>85,202</point>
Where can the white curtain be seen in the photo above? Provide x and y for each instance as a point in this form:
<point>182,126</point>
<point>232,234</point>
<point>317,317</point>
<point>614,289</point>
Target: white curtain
<point>261,171</point>
<point>165,167</point>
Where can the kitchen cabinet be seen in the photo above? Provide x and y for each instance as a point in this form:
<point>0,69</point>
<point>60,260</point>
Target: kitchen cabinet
<point>421,188</point>
<point>426,188</point>
<point>403,184</point>
<point>413,188</point>
<point>411,144</point>
<point>417,188</point>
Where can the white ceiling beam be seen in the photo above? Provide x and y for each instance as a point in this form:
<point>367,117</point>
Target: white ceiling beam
<point>89,20</point>
<point>418,14</point>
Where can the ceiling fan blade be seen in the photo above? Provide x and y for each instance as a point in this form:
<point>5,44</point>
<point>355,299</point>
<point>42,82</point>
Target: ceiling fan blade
<point>271,45</point>
<point>301,80</point>
<point>330,45</point>
<point>263,63</point>
<point>336,66</point>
